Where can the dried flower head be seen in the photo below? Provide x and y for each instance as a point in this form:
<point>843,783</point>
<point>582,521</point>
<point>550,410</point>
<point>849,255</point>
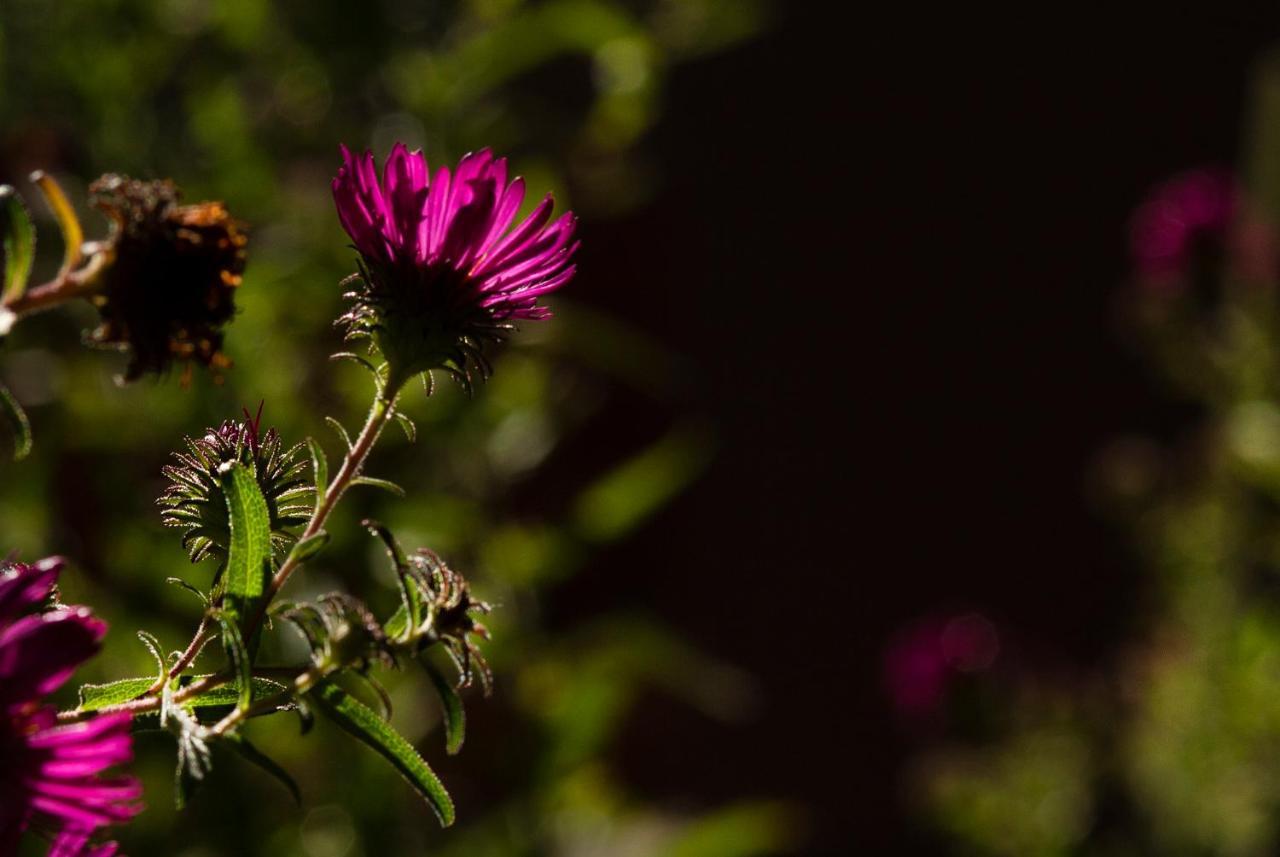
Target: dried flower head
<point>170,288</point>
<point>195,502</point>
<point>442,271</point>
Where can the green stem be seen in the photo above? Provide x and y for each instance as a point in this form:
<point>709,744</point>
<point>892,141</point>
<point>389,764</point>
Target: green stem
<point>380,413</point>
<point>302,683</point>
<point>383,408</point>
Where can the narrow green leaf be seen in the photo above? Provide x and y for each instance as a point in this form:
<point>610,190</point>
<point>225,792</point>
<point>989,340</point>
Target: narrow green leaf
<point>95,696</point>
<point>249,551</point>
<point>153,645</point>
<point>338,428</point>
<point>360,721</point>
<point>238,658</point>
<point>384,484</point>
<point>356,358</point>
<point>185,785</point>
<point>19,425</point>
<point>455,716</point>
<point>252,754</point>
<point>410,430</point>
<point>179,582</point>
<point>18,237</point>
<point>309,547</point>
<point>319,466</point>
<point>410,613</point>
<point>232,693</point>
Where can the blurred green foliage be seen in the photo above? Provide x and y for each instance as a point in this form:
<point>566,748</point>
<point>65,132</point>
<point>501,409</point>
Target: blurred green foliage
<point>1173,747</point>
<point>246,101</point>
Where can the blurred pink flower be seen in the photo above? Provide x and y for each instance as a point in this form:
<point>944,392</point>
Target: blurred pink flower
<point>1201,205</point>
<point>49,774</point>
<point>923,658</point>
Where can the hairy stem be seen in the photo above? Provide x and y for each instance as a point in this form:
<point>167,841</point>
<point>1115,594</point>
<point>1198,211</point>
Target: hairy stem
<point>150,702</point>
<point>380,413</point>
<point>302,682</point>
<point>203,634</point>
<point>383,408</point>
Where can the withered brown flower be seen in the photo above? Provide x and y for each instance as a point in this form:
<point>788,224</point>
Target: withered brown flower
<point>170,287</point>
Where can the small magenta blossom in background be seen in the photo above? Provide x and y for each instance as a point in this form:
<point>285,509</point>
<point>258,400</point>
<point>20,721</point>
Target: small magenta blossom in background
<point>923,658</point>
<point>1201,214</point>
<point>444,272</point>
<point>50,775</point>
<point>1190,207</point>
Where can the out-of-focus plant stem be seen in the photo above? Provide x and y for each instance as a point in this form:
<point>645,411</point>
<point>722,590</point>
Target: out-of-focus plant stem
<point>67,286</point>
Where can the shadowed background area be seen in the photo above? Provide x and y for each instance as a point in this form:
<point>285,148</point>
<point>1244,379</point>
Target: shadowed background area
<point>826,400</point>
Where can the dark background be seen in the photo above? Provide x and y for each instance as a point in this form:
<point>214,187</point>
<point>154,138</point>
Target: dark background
<point>896,245</point>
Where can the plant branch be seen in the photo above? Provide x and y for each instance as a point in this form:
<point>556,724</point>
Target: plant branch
<point>80,283</point>
<point>352,464</point>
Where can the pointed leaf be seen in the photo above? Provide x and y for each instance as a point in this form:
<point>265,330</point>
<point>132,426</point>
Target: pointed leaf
<point>96,696</point>
<point>410,613</point>
<point>384,484</point>
<point>320,467</point>
<point>455,716</point>
<point>238,659</point>
<point>16,418</point>
<point>410,430</point>
<point>310,546</point>
<point>341,432</point>
<point>398,625</point>
<point>72,234</point>
<point>251,753</point>
<point>231,693</point>
<point>18,238</point>
<point>153,645</point>
<point>185,784</point>
<point>360,721</point>
<point>249,550</point>
<point>179,582</point>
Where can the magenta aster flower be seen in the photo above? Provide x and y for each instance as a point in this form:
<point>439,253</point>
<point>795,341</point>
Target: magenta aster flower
<point>49,774</point>
<point>444,272</point>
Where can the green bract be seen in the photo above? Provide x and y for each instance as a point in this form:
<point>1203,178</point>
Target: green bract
<point>195,500</point>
